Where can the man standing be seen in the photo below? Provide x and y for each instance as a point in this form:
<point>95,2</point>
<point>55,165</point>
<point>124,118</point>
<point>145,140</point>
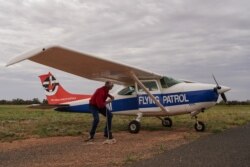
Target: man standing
<point>97,105</point>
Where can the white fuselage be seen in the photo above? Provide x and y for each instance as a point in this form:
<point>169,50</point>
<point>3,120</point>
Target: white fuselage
<point>180,98</point>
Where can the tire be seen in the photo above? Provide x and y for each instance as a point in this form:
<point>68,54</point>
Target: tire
<point>134,126</point>
<point>199,127</point>
<point>167,122</point>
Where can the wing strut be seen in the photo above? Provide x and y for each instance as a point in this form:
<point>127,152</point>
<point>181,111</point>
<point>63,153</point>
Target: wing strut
<point>148,93</point>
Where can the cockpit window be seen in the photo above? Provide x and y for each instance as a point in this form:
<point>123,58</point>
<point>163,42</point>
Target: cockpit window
<point>150,85</point>
<point>167,82</point>
<point>127,91</point>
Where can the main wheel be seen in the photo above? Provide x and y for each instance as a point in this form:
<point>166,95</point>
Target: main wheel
<point>134,126</point>
<point>167,122</point>
<point>199,126</point>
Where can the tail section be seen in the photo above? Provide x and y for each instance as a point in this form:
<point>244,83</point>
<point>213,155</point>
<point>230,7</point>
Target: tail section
<point>55,93</point>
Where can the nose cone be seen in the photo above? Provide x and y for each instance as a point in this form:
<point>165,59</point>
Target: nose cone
<point>223,89</point>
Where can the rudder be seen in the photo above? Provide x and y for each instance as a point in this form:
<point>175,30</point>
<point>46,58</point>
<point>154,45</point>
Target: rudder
<point>55,93</point>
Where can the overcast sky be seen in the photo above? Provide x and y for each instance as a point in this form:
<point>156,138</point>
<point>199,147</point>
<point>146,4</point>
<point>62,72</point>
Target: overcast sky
<point>179,38</point>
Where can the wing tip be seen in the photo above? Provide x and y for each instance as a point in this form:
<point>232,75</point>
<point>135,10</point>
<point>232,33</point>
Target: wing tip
<point>11,62</point>
<point>28,54</point>
<point>8,64</point>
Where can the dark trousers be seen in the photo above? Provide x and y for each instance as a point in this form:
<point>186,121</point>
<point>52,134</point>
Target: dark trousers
<point>105,112</point>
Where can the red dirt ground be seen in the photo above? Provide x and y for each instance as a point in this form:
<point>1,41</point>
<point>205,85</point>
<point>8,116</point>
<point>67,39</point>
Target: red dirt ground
<point>73,151</point>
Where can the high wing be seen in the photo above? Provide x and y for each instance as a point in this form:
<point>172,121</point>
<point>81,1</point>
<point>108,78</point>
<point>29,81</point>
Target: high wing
<point>84,65</point>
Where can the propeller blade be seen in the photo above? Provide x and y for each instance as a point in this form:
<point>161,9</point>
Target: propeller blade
<point>215,80</point>
<point>224,97</point>
<point>221,90</point>
<point>218,86</point>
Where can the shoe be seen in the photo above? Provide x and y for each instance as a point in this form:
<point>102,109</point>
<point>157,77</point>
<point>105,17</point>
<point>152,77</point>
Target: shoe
<point>110,136</point>
<point>90,139</point>
<point>109,141</point>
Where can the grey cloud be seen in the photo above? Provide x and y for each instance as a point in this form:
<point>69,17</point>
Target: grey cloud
<point>183,39</point>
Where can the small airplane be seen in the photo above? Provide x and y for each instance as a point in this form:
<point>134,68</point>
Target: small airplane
<point>143,93</point>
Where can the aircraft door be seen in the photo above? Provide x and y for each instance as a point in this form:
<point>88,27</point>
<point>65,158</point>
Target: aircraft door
<point>145,103</point>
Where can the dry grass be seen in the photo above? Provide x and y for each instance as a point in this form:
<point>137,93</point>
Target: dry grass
<point>20,122</point>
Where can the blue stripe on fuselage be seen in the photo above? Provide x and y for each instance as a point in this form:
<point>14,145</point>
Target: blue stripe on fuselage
<point>117,105</point>
<point>143,101</point>
<point>180,98</point>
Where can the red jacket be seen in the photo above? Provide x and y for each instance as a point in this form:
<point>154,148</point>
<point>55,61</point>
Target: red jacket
<point>98,99</point>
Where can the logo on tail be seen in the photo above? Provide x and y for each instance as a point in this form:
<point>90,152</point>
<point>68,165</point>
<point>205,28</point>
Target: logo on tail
<point>50,85</point>
<point>55,93</point>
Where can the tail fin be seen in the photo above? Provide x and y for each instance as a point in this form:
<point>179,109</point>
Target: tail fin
<point>55,93</point>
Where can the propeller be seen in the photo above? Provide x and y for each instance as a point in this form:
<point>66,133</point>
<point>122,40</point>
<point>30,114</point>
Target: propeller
<point>218,87</point>
<point>223,96</point>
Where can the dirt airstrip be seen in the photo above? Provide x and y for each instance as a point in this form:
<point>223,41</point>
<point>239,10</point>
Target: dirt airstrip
<point>73,151</point>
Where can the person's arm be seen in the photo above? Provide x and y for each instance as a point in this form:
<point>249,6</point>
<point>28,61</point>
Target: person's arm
<point>111,97</point>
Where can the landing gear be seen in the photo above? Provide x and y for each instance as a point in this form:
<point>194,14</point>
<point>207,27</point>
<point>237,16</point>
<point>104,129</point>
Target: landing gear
<point>167,122</point>
<point>135,125</point>
<point>199,126</point>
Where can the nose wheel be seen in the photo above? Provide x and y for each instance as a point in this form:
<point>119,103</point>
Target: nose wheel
<point>199,126</point>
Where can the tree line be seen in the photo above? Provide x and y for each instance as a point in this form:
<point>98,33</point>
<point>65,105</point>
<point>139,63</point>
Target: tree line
<point>235,102</point>
<point>19,101</point>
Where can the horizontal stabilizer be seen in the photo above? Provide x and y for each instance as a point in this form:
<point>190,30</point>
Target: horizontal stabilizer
<point>46,106</point>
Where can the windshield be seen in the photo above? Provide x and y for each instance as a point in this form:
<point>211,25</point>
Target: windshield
<point>167,82</point>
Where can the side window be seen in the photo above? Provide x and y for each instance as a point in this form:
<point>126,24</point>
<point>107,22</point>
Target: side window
<point>127,91</point>
<point>150,85</point>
